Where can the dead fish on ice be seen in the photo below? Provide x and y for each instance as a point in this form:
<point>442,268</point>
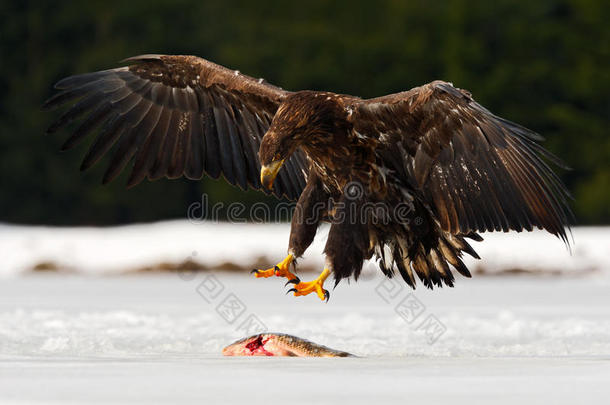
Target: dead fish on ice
<point>280,344</point>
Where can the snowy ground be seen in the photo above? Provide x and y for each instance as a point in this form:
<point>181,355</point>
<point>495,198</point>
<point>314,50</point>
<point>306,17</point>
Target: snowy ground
<point>97,335</point>
<point>157,339</point>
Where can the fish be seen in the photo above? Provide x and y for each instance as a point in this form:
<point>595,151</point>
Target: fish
<point>280,344</point>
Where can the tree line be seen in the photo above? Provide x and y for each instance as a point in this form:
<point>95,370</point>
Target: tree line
<point>543,64</point>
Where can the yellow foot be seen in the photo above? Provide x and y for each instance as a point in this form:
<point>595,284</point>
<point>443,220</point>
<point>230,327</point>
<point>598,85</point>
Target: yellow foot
<point>304,288</point>
<point>282,269</point>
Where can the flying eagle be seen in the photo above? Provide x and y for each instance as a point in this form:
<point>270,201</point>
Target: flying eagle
<point>406,177</point>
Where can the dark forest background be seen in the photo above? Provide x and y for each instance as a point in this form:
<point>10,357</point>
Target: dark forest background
<point>544,64</point>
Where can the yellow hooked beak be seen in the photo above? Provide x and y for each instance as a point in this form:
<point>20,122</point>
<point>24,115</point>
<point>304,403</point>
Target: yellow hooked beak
<point>269,172</point>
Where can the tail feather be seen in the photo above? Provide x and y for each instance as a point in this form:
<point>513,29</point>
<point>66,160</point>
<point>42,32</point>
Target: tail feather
<point>421,247</point>
<point>441,266</point>
<point>428,258</point>
<point>459,243</point>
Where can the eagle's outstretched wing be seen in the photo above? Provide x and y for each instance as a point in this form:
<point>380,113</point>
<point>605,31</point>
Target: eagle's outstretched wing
<point>175,116</point>
<point>477,171</point>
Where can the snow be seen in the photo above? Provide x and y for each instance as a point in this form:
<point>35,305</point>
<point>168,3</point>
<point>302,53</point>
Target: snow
<point>99,333</point>
<point>121,249</point>
<point>157,339</point>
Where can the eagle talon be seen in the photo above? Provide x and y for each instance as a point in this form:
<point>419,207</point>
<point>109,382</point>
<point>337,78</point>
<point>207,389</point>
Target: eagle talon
<point>317,286</point>
<point>262,273</point>
<point>293,281</point>
<point>282,269</point>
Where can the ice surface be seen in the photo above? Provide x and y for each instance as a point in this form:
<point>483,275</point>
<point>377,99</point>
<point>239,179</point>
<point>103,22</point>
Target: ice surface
<point>120,249</point>
<point>94,334</point>
<point>157,339</point>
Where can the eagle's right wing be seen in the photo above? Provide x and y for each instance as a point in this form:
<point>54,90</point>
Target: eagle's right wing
<point>174,116</point>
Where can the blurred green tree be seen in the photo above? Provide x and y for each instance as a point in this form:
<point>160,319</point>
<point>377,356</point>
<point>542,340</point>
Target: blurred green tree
<point>543,64</point>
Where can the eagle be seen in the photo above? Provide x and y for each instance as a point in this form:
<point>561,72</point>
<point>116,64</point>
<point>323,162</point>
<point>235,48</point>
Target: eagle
<point>406,178</point>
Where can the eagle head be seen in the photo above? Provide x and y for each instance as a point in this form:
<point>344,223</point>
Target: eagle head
<point>276,147</point>
<point>303,117</point>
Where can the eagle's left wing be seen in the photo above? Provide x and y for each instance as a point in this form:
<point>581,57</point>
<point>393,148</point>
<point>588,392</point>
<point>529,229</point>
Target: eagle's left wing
<point>175,115</point>
<point>477,171</point>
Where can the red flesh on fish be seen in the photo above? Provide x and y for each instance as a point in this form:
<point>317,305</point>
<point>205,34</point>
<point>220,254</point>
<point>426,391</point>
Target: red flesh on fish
<point>257,347</point>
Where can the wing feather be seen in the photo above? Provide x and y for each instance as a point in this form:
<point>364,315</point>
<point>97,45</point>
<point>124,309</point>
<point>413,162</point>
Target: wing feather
<point>195,161</point>
<point>250,145</point>
<point>179,152</point>
<point>239,166</point>
<point>161,164</point>
<point>147,154</point>
<point>226,150</point>
<point>128,144</point>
